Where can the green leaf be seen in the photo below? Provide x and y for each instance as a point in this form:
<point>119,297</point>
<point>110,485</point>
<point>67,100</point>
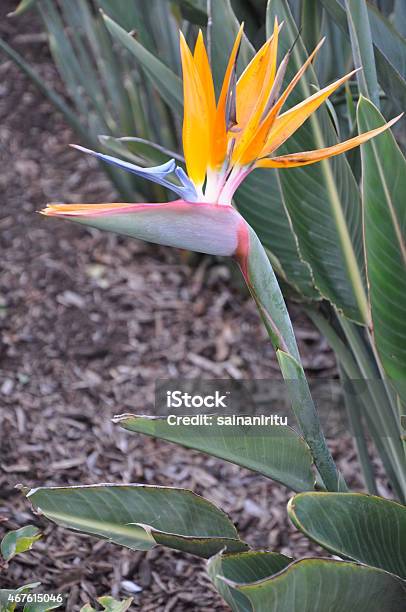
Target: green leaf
<point>321,585</point>
<point>140,516</point>
<point>164,79</point>
<point>19,541</point>
<point>384,188</point>
<point>323,199</point>
<point>356,526</point>
<point>243,567</point>
<point>274,451</point>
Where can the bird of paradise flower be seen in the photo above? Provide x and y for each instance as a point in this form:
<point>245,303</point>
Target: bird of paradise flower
<point>223,142</point>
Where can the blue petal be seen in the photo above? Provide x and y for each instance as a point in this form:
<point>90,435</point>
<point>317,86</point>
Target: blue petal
<point>187,184</point>
<point>157,174</point>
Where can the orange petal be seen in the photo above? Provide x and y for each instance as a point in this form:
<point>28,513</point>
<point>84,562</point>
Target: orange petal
<point>293,160</point>
<point>196,137</point>
<point>259,139</point>
<point>258,100</point>
<point>251,82</point>
<point>276,108</point>
<point>204,70</point>
<point>219,146</point>
<point>287,123</point>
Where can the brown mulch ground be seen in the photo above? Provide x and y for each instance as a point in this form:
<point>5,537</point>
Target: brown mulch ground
<point>88,322</point>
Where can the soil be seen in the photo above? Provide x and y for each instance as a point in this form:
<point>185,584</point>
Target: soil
<point>88,322</point>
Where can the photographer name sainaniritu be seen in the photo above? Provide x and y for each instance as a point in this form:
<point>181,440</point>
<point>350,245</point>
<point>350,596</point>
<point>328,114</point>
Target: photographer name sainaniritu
<point>208,420</point>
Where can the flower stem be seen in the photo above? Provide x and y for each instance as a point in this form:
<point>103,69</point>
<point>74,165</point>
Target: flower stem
<point>265,290</point>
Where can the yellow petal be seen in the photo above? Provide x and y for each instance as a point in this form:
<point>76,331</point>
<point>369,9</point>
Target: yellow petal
<point>219,146</point>
<point>293,160</point>
<point>251,82</point>
<point>196,143</point>
<point>287,123</point>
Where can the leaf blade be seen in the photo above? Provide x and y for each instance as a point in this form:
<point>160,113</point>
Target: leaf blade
<point>279,453</point>
<point>131,515</point>
<point>383,189</point>
<point>364,528</point>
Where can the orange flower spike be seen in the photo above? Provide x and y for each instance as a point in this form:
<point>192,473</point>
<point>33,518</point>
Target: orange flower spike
<point>219,145</point>
<point>196,137</point>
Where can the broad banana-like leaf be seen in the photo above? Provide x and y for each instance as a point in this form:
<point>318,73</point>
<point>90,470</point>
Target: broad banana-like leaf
<point>383,190</point>
<point>275,451</point>
<point>243,567</point>
<point>322,200</point>
<point>140,516</point>
<point>321,585</point>
<point>19,541</point>
<point>389,46</point>
<point>364,528</point>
